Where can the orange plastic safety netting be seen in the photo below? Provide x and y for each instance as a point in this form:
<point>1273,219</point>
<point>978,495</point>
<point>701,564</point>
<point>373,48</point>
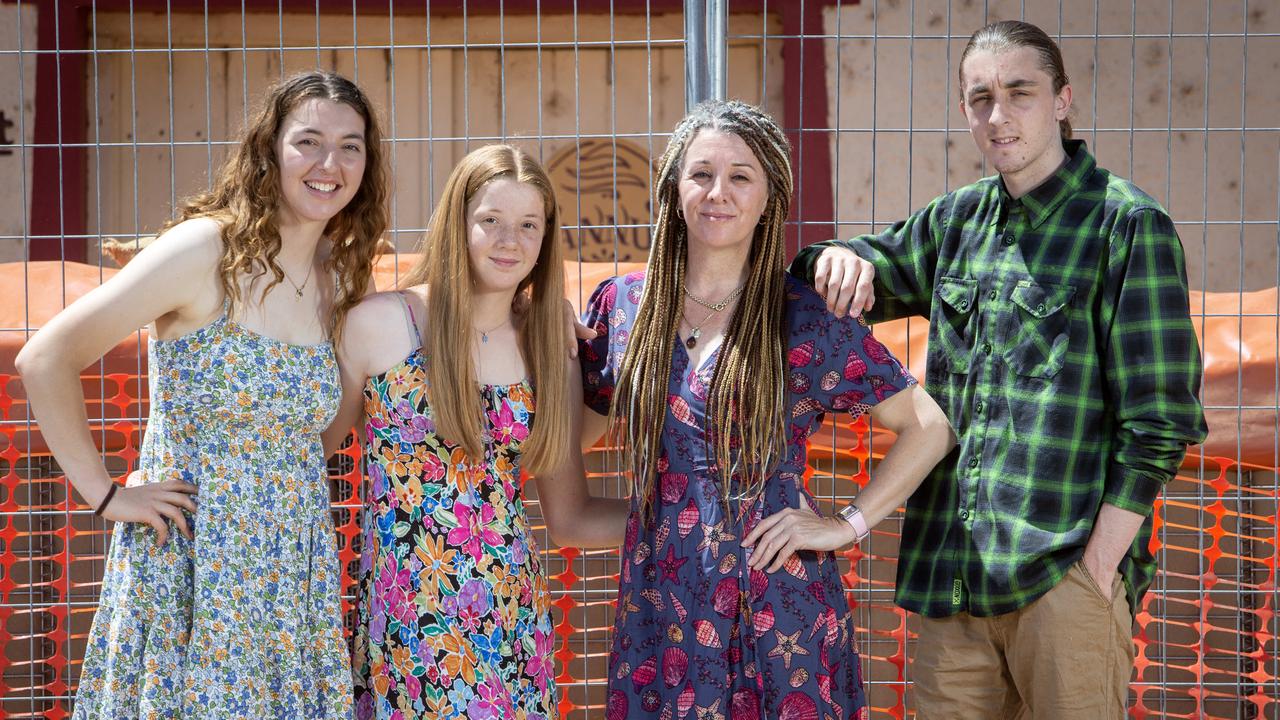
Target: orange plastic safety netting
<point>1206,634</point>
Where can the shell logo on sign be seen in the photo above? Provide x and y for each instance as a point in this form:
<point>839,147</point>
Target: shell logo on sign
<point>603,190</point>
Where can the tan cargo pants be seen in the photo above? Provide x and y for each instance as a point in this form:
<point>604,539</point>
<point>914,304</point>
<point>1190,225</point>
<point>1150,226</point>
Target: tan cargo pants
<point>1066,656</point>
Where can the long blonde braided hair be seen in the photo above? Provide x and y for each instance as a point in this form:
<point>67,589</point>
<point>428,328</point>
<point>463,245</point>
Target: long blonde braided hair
<point>746,403</point>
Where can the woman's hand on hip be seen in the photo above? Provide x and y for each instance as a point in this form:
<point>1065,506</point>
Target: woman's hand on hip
<point>154,504</point>
<point>777,537</point>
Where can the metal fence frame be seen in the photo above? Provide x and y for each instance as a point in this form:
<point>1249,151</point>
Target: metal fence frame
<point>706,43</point>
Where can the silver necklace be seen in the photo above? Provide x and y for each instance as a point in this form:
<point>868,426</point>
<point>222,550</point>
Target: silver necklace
<point>484,334</point>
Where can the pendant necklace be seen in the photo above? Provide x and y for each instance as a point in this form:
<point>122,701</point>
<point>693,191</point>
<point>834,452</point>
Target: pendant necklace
<point>297,289</point>
<point>714,308</point>
<point>484,334</point>
<point>692,341</point>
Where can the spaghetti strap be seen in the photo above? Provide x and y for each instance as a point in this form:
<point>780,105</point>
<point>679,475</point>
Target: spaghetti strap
<point>411,319</point>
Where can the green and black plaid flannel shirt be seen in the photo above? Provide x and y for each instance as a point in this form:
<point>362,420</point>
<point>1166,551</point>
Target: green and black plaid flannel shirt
<point>1061,348</point>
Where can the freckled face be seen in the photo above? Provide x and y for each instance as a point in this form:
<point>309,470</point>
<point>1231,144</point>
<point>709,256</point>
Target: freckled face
<point>506,220</point>
<point>1013,114</point>
<point>723,189</point>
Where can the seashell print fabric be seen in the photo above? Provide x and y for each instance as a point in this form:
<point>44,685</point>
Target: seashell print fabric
<point>697,634</point>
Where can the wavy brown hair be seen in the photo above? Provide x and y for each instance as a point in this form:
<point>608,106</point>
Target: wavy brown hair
<point>746,404</point>
<point>445,266</point>
<point>246,196</point>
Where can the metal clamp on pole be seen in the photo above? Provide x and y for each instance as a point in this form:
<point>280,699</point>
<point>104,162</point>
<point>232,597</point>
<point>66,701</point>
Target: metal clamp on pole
<point>705,50</point>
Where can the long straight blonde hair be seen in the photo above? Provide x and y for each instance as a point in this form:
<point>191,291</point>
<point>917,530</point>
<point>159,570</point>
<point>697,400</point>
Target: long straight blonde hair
<point>445,267</point>
<point>746,411</point>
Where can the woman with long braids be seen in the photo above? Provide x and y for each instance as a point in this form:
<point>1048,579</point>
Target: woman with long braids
<point>228,606</point>
<point>712,367</point>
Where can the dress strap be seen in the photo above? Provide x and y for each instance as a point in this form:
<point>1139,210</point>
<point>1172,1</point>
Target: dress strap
<point>411,319</point>
<point>225,316</point>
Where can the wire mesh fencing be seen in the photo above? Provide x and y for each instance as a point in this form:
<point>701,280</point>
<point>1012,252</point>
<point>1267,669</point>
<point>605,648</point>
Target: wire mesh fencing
<point>112,111</point>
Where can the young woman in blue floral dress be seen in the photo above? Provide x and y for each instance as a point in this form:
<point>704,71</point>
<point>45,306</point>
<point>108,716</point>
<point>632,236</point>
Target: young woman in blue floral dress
<point>454,609</point>
<point>237,614</point>
<point>730,603</point>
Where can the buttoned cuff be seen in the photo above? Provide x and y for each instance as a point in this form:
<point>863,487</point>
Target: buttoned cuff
<point>1131,490</point>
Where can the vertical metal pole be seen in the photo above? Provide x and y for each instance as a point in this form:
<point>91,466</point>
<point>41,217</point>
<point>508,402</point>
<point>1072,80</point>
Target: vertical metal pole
<point>718,48</point>
<point>696,73</point>
<point>1247,645</point>
<point>706,30</point>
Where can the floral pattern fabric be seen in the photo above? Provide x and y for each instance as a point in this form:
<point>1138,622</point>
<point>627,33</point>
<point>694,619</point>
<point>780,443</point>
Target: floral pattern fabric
<point>697,634</point>
<point>245,621</point>
<point>454,609</point>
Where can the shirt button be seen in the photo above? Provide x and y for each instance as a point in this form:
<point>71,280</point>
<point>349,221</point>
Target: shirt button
<point>978,406</point>
<point>991,295</point>
<point>964,514</point>
<point>1040,308</point>
<point>964,304</point>
<point>986,348</point>
<point>973,462</point>
<point>1008,240</point>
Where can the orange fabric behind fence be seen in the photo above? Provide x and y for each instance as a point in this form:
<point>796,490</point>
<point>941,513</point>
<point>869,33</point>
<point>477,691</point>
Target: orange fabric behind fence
<point>1238,334</point>
<point>1206,634</point>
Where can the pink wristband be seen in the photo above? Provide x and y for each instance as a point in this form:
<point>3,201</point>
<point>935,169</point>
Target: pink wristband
<point>852,515</point>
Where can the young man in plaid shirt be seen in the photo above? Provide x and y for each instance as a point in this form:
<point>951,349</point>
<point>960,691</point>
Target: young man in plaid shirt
<point>1061,347</point>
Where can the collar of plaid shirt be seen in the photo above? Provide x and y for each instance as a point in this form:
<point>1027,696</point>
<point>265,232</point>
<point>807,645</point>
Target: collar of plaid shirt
<point>1061,348</point>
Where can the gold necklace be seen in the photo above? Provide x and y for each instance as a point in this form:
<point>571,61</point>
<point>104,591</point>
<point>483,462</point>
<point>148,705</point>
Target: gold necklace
<point>297,290</point>
<point>717,307</point>
<point>692,341</point>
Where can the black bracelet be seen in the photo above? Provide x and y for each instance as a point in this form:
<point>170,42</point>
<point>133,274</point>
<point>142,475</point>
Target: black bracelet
<point>103,505</point>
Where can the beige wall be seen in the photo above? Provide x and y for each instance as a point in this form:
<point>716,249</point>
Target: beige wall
<point>436,103</point>
<point>902,139</point>
<point>17,103</point>
<point>893,84</point>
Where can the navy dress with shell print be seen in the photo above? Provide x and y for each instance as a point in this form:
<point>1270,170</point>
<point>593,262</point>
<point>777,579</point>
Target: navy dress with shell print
<point>697,634</point>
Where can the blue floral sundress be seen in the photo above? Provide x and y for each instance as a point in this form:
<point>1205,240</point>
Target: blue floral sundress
<point>244,621</point>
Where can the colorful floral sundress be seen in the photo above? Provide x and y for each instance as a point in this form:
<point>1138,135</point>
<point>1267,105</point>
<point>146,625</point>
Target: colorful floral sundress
<point>454,610</point>
<point>245,621</point>
<point>697,635</point>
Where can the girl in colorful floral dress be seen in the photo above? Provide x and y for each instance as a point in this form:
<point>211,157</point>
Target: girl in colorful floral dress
<point>237,614</point>
<point>730,603</point>
<point>454,609</point>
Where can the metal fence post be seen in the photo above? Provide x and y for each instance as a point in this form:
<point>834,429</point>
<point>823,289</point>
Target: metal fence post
<point>705,50</point>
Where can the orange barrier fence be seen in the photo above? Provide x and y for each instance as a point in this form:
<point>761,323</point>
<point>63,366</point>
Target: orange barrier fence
<point>1208,637</point>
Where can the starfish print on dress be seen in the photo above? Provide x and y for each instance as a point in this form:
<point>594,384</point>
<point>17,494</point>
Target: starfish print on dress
<point>711,712</point>
<point>626,607</point>
<point>788,645</point>
<point>671,564</point>
<point>712,536</point>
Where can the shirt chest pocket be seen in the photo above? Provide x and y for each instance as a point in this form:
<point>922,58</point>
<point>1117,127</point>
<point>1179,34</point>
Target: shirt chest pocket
<point>1039,333</point>
<point>952,327</point>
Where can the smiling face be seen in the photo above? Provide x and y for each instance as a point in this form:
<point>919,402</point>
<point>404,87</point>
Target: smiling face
<point>321,152</point>
<point>506,221</point>
<point>723,190</point>
<point>1013,115</point>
